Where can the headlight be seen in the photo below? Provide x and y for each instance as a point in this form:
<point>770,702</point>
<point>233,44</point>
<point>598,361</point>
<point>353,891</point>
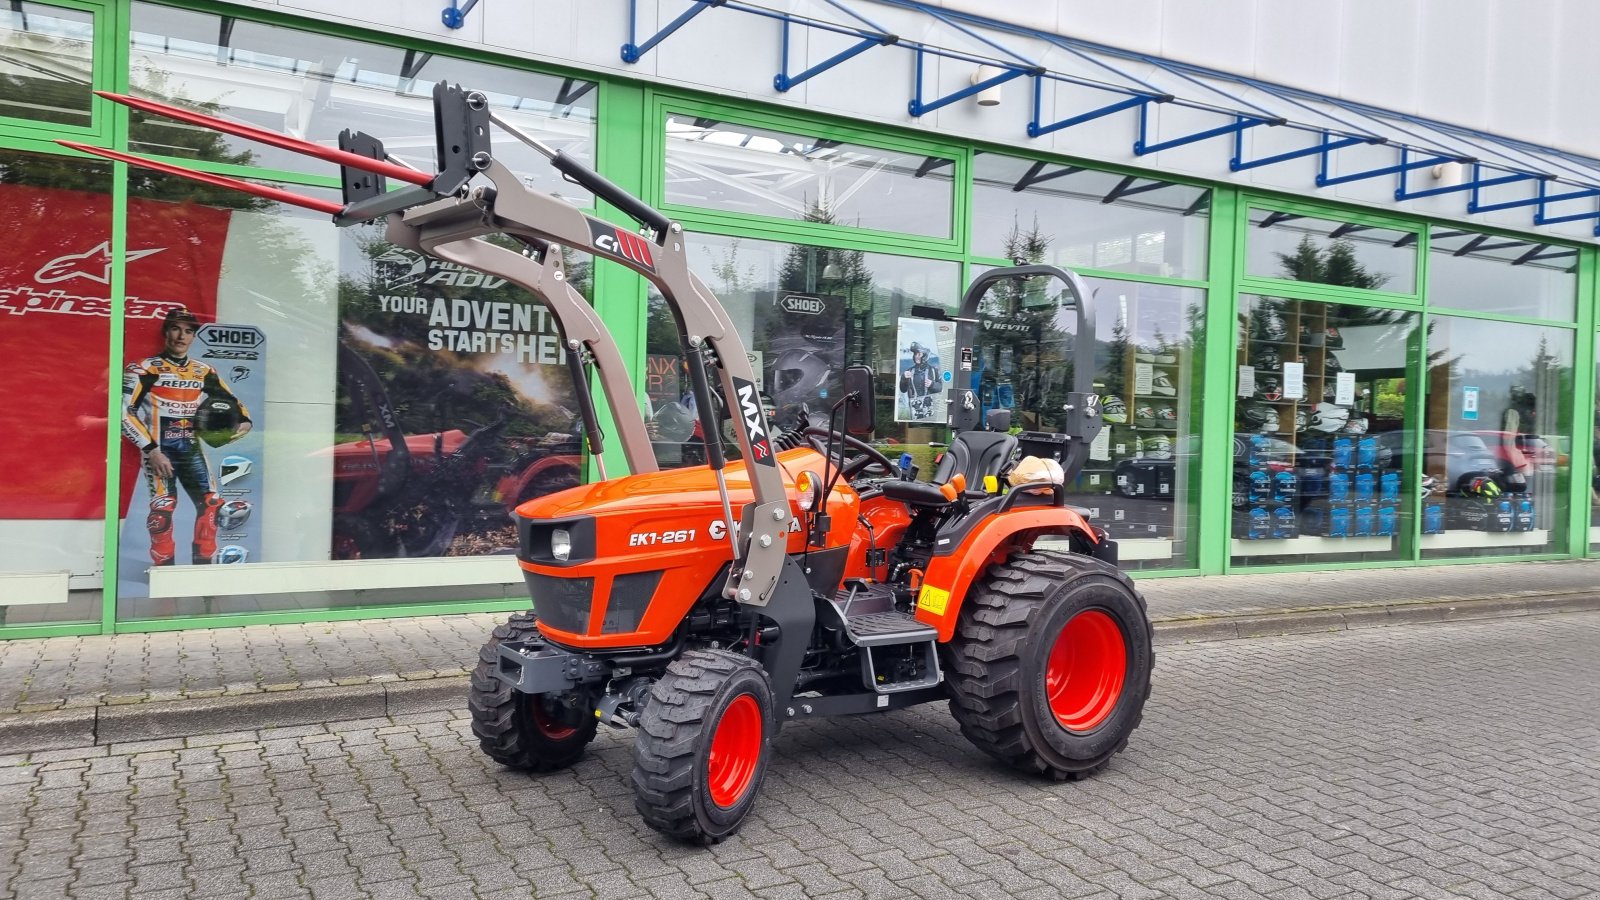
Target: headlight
<point>808,489</point>
<point>560,544</point>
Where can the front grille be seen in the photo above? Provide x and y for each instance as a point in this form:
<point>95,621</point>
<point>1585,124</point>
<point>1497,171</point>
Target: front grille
<point>561,603</point>
<point>630,597</point>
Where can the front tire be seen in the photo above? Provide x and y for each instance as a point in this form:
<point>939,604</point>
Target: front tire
<point>701,749</point>
<point>524,731</point>
<point>1050,665</point>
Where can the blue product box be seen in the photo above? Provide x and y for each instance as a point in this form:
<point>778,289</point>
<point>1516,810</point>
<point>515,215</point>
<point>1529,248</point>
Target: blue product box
<point>1338,487</point>
<point>1389,487</point>
<point>1366,485</point>
<point>1365,514</point>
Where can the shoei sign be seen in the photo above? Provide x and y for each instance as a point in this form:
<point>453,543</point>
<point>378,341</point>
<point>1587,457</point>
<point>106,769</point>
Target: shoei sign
<point>804,305</point>
<point>232,337</point>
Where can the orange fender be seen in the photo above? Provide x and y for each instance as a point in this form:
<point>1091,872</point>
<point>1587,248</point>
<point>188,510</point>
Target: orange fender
<point>944,585</point>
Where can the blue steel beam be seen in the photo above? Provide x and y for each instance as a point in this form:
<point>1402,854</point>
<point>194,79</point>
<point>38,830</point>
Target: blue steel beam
<point>632,51</point>
<point>1037,128</point>
<point>1238,164</point>
<point>1476,183</point>
<point>1140,148</point>
<point>919,108</point>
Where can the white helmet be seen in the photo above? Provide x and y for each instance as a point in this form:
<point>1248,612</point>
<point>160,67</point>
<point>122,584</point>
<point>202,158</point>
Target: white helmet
<point>234,467</point>
<point>1357,425</point>
<point>1329,418</point>
<point>1158,447</point>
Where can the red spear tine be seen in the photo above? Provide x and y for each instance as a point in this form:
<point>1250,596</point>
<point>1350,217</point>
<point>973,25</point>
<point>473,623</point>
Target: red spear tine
<point>248,187</point>
<point>250,132</point>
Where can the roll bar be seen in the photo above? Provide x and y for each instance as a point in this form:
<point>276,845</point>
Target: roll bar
<point>1082,409</point>
<point>445,215</point>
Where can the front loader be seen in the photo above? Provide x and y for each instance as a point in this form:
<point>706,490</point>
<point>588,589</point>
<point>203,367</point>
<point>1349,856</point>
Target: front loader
<point>793,575</point>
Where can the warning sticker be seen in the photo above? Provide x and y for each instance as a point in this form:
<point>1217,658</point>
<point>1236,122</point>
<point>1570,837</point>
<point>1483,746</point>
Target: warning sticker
<point>933,599</point>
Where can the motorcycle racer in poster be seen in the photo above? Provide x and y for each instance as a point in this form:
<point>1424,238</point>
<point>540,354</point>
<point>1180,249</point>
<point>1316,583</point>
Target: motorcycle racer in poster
<point>920,381</point>
<point>161,399</point>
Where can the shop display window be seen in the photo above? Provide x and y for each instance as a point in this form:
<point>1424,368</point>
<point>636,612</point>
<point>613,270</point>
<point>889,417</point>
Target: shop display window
<point>46,63</point>
<point>1326,251</point>
<point>1322,449</point>
<point>730,167</point>
<point>804,314</point>
<point>55,315</point>
<point>315,85</point>
<point>1510,276</point>
<point>1498,420</point>
<point>310,412</point>
<point>1140,478</point>
<point>1083,219</point>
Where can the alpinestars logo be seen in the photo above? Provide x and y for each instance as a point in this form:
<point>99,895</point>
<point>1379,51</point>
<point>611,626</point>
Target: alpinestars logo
<point>751,408</point>
<point>93,264</point>
<point>619,243</point>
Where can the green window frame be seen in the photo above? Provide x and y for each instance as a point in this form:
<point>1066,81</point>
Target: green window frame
<point>665,104</point>
<point>109,18</point>
<point>1250,202</point>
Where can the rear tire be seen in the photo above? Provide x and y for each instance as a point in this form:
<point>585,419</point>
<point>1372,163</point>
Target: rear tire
<point>1050,666</point>
<point>523,731</point>
<point>701,749</point>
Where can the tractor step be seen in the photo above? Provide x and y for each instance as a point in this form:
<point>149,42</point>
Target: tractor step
<point>876,629</point>
<point>898,653</point>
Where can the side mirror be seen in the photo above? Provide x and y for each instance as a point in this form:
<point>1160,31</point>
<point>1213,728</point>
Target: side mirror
<point>860,406</point>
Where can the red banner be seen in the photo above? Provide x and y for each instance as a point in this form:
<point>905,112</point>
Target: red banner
<point>55,316</point>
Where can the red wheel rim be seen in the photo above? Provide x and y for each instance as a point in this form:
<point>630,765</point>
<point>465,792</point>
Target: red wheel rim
<point>735,751</point>
<point>1087,667</point>
<point>546,723</point>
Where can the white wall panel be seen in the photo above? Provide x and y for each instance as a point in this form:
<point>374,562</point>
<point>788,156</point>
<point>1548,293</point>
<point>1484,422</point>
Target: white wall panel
<point>1573,28</point>
<point>1453,61</point>
<point>1378,54</point>
<point>1218,33</point>
<point>1298,44</point>
<point>1129,24</point>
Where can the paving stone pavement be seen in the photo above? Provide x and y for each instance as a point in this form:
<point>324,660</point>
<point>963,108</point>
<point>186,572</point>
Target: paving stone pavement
<point>1460,760</point>
<point>76,672</point>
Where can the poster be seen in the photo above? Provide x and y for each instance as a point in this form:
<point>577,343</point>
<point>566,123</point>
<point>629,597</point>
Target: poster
<point>1294,381</point>
<point>55,282</point>
<point>800,365</point>
<point>454,406</point>
<point>922,377</point>
<point>207,511</point>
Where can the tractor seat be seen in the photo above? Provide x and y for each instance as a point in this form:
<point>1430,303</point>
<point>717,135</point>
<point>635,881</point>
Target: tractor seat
<point>977,454</point>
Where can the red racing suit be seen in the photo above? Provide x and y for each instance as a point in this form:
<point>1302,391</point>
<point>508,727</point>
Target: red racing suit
<point>160,401</point>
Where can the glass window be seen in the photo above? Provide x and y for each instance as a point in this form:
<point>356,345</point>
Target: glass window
<point>298,396</point>
<point>1321,447</point>
<point>851,307</point>
<point>313,86</point>
<point>55,314</point>
<point>1079,218</point>
<point>1501,275</point>
<point>1498,425</point>
<point>46,63</point>
<point>1325,251</point>
<point>1140,479</point>
<point>739,168</point>
<point>1594,483</point>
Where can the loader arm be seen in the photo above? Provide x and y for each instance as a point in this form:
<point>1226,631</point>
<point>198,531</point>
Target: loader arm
<point>443,215</point>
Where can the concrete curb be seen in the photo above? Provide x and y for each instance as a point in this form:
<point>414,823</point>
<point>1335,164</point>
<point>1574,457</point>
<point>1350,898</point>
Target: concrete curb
<point>1309,621</point>
<point>92,725</point>
<point>99,725</point>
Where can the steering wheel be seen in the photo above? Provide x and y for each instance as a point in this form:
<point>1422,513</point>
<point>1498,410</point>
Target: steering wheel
<point>849,470</point>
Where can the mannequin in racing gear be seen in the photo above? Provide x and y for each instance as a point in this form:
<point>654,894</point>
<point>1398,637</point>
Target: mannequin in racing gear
<point>161,399</point>
<point>920,380</point>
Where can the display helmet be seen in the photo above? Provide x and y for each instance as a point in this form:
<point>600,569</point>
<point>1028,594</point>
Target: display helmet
<point>1332,365</point>
<point>1356,425</point>
<point>1272,327</point>
<point>1112,409</point>
<point>1268,389</point>
<point>1329,418</point>
<point>233,514</point>
<point>232,553</point>
<point>235,467</point>
<point>799,376</point>
<point>1259,416</point>
<point>1158,447</point>
<point>1267,359</point>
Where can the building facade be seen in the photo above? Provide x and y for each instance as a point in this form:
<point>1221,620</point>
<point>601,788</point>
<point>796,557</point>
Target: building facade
<point>1343,263</point>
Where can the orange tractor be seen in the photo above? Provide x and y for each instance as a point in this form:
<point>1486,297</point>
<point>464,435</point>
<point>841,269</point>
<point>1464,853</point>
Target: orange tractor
<point>792,575</point>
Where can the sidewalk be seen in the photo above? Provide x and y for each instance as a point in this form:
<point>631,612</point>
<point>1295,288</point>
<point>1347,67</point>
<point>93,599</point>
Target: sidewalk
<point>57,691</point>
